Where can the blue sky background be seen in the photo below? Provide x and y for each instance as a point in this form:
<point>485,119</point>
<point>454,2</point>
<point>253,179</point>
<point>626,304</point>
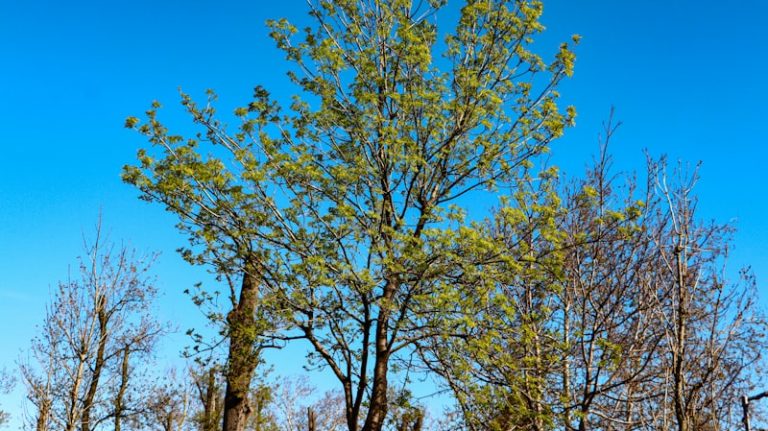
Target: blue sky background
<point>687,79</point>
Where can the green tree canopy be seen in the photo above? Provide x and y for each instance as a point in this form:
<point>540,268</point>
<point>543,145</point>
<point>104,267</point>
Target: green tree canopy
<point>344,214</point>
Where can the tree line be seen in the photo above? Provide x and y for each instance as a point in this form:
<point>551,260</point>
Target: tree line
<point>353,221</point>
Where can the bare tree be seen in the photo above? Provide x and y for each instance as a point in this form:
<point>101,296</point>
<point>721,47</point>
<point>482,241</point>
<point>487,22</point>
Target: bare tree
<point>608,274</point>
<point>7,383</point>
<point>289,402</point>
<point>78,370</point>
<point>609,310</point>
<point>656,336</point>
<point>328,412</point>
<point>296,407</point>
<point>713,336</point>
<point>168,404</point>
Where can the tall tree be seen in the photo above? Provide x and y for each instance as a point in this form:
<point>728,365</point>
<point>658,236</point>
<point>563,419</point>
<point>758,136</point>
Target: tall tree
<point>334,215</point>
<point>713,333</point>
<point>228,230</point>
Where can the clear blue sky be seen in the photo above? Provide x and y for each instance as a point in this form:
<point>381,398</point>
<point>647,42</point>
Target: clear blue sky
<point>687,79</point>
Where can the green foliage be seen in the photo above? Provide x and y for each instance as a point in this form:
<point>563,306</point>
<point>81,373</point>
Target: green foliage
<point>349,207</point>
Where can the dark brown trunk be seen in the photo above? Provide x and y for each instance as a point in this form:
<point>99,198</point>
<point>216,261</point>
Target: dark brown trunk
<point>242,359</point>
<point>352,407</point>
<point>377,410</point>
<point>679,354</point>
<point>418,423</point>
<point>311,421</point>
<point>583,424</point>
<point>412,421</point>
<point>745,401</point>
<point>745,409</point>
<point>124,376</point>
<point>98,366</point>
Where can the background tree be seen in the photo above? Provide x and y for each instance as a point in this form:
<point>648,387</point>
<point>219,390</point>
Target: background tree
<point>405,413</point>
<point>499,353</point>
<point>290,402</point>
<point>294,398</point>
<point>603,308</point>
<point>328,412</point>
<point>94,326</point>
<point>209,390</point>
<point>582,326</point>
<point>713,334</point>
<point>335,214</point>
<point>7,383</point>
<point>206,377</point>
<point>168,404</point>
<point>262,417</point>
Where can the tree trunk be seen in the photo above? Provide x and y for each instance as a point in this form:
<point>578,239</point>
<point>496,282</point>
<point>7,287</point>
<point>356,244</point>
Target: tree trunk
<point>43,415</point>
<point>311,421</point>
<point>418,423</point>
<point>73,409</point>
<point>209,397</point>
<point>124,375</point>
<point>678,356</point>
<point>566,371</point>
<point>93,386</point>
<point>242,359</point>
<point>745,408</point>
<point>168,424</point>
<point>377,410</point>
